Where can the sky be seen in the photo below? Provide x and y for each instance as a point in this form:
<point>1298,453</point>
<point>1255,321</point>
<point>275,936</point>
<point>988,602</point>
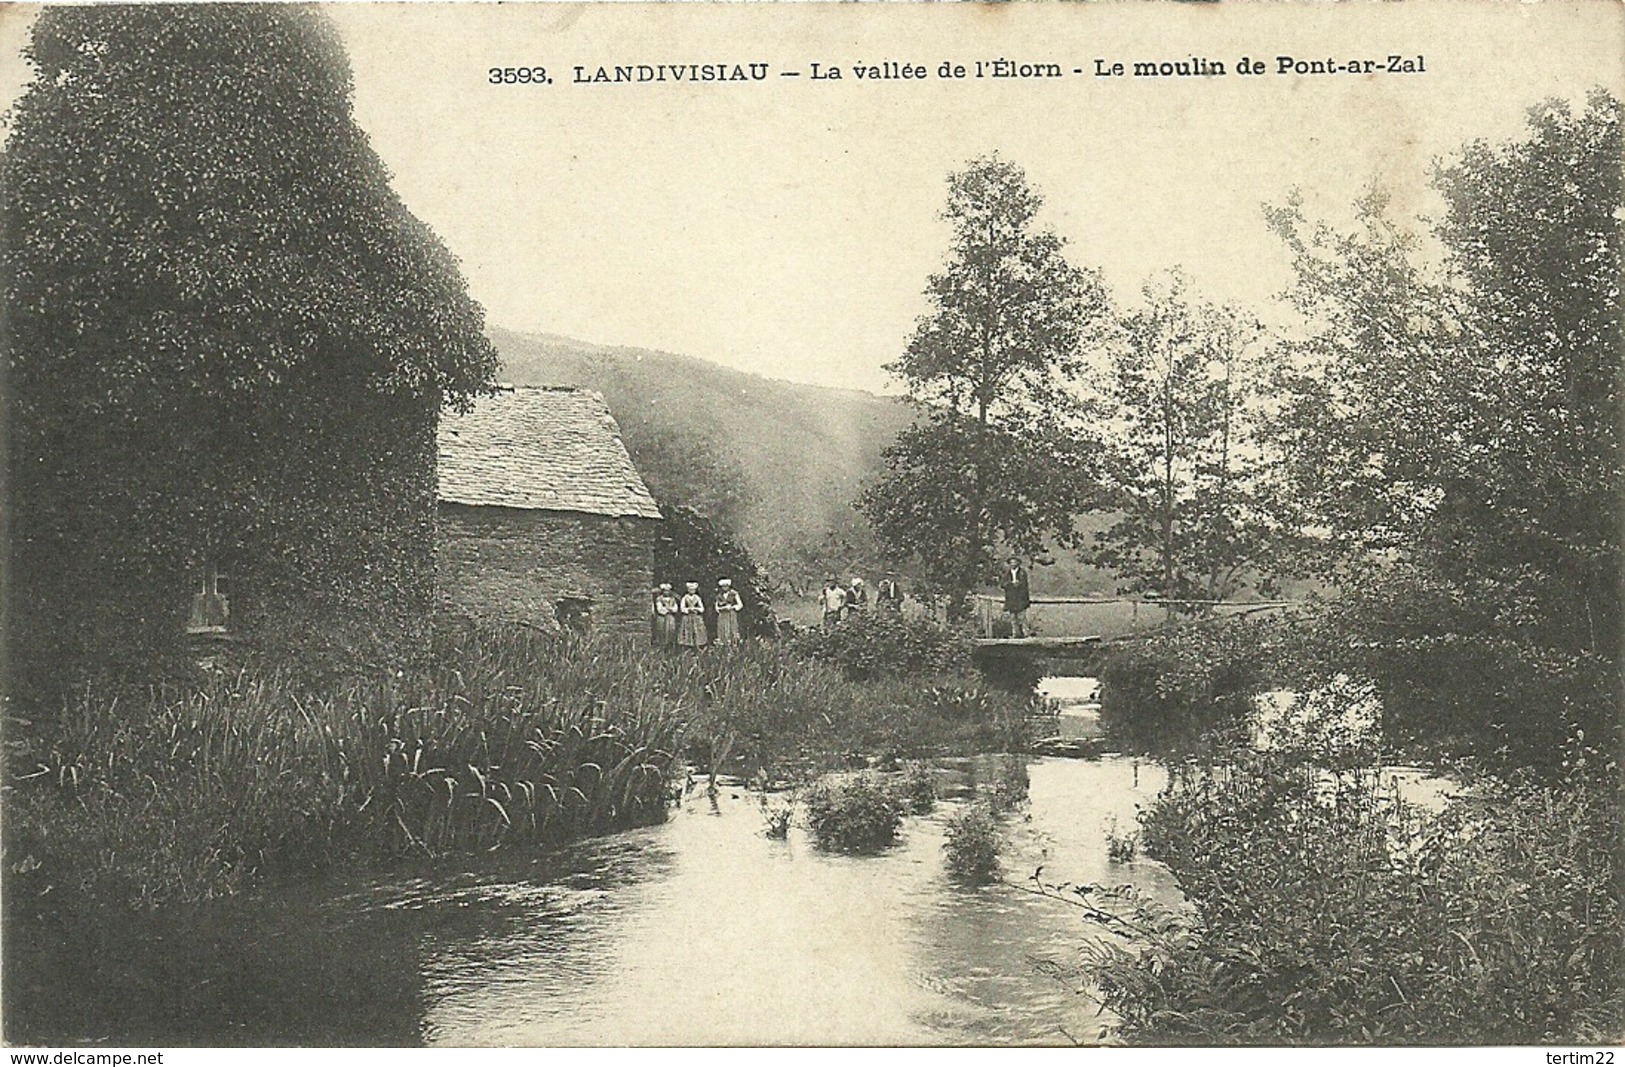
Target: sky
<point>787,227</point>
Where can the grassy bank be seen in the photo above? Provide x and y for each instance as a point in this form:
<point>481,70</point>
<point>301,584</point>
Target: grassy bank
<point>494,740</point>
<point>1325,911</point>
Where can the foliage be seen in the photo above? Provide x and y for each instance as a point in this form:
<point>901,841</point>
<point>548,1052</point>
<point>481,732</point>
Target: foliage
<point>494,738</point>
<point>999,453</point>
<point>497,739</point>
<point>876,644</point>
<point>1197,515</point>
<point>860,813</point>
<point>1454,433</point>
<point>1453,678</point>
<point>792,717</point>
<point>1182,689</point>
<point>228,340</point>
<point>1329,912</point>
<point>973,844</point>
<point>961,702</point>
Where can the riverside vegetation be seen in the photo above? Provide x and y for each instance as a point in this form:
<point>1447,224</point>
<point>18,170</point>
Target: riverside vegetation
<point>493,739</point>
<point>1325,909</point>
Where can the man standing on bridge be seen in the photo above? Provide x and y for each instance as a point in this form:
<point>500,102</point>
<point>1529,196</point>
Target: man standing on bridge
<point>1017,598</point>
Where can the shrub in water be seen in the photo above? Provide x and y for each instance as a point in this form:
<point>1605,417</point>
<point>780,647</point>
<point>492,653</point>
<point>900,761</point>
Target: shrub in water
<point>857,814</point>
<point>973,844</point>
<point>776,820</point>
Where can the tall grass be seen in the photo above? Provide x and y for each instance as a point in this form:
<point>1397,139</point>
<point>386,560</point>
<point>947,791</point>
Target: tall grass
<point>1326,911</point>
<point>499,739</point>
<point>496,739</point>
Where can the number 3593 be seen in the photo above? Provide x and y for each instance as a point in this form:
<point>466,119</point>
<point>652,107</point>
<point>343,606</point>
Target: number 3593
<point>518,76</point>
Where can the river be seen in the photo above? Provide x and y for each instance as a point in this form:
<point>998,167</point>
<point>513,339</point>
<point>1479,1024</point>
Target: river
<point>700,930</point>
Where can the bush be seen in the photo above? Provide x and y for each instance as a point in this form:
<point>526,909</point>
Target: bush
<point>1183,689</point>
<point>856,814</point>
<point>973,844</point>
<point>878,644</point>
<point>1326,912</point>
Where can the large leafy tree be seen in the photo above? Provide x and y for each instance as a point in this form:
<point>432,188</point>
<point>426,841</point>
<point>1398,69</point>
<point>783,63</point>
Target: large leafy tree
<point>1453,427</point>
<point>998,457</point>
<point>229,340</point>
<point>1197,514</point>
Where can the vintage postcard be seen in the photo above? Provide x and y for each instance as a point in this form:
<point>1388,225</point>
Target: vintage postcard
<point>911,524</point>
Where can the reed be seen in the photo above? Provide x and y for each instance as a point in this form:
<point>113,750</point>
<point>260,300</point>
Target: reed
<point>495,739</point>
<point>501,739</point>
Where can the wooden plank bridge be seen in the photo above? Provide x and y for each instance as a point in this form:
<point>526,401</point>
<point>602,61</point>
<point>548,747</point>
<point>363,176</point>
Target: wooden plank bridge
<point>990,608</point>
<point>1043,644</point>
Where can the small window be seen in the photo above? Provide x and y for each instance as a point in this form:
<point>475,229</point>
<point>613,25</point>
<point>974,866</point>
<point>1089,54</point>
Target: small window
<point>211,611</point>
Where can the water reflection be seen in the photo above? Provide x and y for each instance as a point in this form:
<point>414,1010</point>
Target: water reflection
<point>745,940</point>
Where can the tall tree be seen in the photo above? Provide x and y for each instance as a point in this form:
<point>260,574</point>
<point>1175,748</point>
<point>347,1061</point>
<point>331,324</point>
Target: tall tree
<point>229,340</point>
<point>1462,417</point>
<point>999,456</point>
<point>1196,515</point>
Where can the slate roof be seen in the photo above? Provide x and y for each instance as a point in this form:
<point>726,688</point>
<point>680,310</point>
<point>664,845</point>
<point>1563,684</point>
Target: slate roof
<point>541,448</point>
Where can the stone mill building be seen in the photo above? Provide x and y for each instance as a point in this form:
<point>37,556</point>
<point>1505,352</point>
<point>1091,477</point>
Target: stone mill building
<point>541,512</point>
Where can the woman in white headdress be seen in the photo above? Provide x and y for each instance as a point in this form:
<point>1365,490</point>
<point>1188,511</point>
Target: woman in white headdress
<point>666,611</point>
<point>728,607</point>
<point>691,630</point>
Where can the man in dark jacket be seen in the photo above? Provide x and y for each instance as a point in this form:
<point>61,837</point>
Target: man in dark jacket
<point>1017,598</point>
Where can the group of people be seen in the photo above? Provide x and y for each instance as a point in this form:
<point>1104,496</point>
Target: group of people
<point>679,622</point>
<point>841,601</point>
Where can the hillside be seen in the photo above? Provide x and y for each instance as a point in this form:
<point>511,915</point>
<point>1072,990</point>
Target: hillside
<point>800,452</point>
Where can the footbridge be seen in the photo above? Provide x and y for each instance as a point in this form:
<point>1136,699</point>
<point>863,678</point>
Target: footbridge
<point>1081,627</point>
